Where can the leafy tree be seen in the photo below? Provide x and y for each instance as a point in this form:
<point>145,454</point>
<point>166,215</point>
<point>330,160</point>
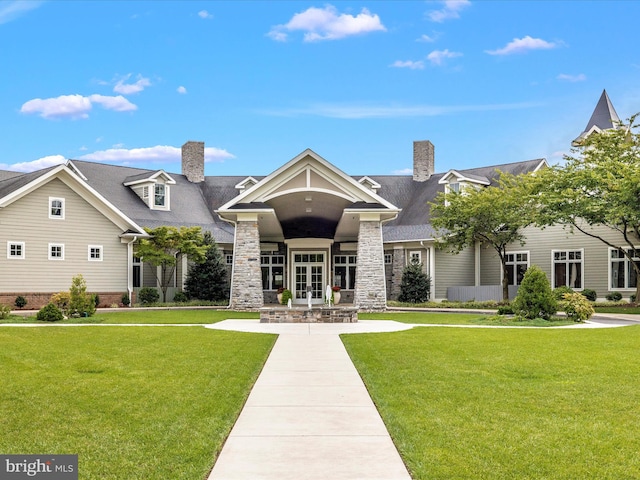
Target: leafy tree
<point>415,286</point>
<point>597,191</point>
<point>535,298</point>
<point>208,280</point>
<point>165,245</point>
<point>494,216</point>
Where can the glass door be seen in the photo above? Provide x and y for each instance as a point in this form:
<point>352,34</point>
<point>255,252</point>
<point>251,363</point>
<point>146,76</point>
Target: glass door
<point>309,277</point>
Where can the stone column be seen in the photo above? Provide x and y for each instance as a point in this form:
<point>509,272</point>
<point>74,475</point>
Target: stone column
<point>370,292</point>
<point>246,279</point>
<point>397,270</point>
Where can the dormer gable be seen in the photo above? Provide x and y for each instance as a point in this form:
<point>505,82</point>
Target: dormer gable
<point>455,181</point>
<point>246,184</point>
<point>152,188</point>
<point>370,184</point>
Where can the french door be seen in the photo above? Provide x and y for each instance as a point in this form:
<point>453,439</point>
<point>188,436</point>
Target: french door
<point>309,277</point>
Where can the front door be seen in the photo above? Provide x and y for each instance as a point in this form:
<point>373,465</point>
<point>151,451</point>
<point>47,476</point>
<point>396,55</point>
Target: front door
<point>309,277</point>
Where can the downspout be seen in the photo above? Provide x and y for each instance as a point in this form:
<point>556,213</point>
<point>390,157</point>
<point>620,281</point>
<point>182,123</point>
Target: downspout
<point>130,268</point>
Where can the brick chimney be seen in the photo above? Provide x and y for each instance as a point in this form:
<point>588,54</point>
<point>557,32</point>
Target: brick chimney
<point>193,161</point>
<point>423,160</point>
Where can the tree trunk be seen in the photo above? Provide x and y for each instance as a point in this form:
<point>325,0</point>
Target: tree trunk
<point>505,282</point>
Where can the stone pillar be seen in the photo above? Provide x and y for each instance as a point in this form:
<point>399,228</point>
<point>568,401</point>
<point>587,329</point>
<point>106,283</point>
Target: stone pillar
<point>397,270</point>
<point>370,292</point>
<point>246,279</point>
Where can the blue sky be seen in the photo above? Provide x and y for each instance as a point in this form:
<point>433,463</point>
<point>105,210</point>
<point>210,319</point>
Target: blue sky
<point>488,82</point>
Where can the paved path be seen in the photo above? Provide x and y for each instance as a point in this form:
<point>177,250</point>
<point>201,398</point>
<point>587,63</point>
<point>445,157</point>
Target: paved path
<point>309,416</point>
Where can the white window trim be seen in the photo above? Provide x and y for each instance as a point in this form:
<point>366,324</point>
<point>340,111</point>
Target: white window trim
<point>61,245</point>
<point>553,262</point>
<point>152,197</point>
<point>22,255</point>
<point>515,262</point>
<point>62,209</point>
<point>626,262</point>
<point>95,247</point>
<point>410,256</point>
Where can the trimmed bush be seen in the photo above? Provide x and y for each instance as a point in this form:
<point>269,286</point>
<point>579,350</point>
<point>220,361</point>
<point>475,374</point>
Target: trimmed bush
<point>614,296</point>
<point>125,299</point>
<point>560,291</point>
<point>286,296</point>
<point>577,307</point>
<point>535,298</point>
<point>505,310</point>
<point>50,313</point>
<point>20,302</point>
<point>415,286</point>
<point>148,295</point>
<point>588,294</point>
<point>180,297</point>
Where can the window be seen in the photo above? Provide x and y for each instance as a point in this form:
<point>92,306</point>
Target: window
<point>388,258</point>
<point>415,257</point>
<point>272,271</point>
<point>454,187</point>
<point>229,259</point>
<point>622,272</point>
<point>517,263</point>
<point>95,253</point>
<point>15,250</point>
<point>344,271</point>
<point>56,208</point>
<point>567,269</point>
<point>159,195</point>
<point>56,251</point>
<point>145,193</point>
<point>137,272</point>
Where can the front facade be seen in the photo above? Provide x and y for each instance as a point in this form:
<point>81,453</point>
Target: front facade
<point>304,227</point>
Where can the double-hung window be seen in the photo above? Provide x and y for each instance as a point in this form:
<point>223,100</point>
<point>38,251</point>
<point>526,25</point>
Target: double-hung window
<point>567,268</point>
<point>56,208</point>
<point>516,263</point>
<point>622,272</point>
<point>160,193</point>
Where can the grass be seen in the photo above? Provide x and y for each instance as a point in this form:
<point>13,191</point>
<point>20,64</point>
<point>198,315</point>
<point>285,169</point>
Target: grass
<point>503,404</point>
<point>133,403</point>
<point>435,318</point>
<point>147,316</point>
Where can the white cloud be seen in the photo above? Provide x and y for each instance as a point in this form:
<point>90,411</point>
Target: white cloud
<point>426,38</point>
<point>581,77</point>
<point>450,10</point>
<point>522,45</point>
<point>204,14</point>
<point>418,65</point>
<point>181,90</point>
<point>127,89</point>
<point>404,171</point>
<point>14,9</point>
<point>437,57</point>
<point>75,106</point>
<point>39,164</point>
<point>157,154</point>
<point>327,24</point>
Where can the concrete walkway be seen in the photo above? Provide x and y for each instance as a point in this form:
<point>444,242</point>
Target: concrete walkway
<point>309,416</point>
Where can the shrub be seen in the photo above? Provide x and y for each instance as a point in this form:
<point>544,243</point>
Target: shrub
<point>589,294</point>
<point>535,298</point>
<point>125,299</point>
<point>5,311</point>
<point>505,310</point>
<point>416,285</point>
<point>148,295</point>
<point>286,296</point>
<point>61,300</point>
<point>81,303</point>
<point>614,296</point>
<point>560,291</point>
<point>577,307</point>
<point>50,313</point>
<point>208,280</point>
<point>180,297</point>
<point>20,301</point>
<point>96,300</point>
<point>633,298</point>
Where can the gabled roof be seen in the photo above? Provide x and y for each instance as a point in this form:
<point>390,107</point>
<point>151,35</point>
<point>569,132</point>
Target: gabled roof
<point>148,178</point>
<point>464,177</point>
<point>604,117</point>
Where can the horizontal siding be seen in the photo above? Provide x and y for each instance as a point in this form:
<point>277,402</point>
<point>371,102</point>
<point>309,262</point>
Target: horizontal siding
<point>27,220</point>
<point>453,270</point>
<point>490,267</point>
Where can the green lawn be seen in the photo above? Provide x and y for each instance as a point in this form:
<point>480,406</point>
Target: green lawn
<point>436,318</point>
<point>505,404</point>
<point>133,402</point>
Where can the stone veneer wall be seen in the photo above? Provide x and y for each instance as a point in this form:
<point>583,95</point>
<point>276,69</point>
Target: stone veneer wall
<point>423,160</point>
<point>397,271</point>
<point>193,161</point>
<point>370,292</point>
<point>246,283</point>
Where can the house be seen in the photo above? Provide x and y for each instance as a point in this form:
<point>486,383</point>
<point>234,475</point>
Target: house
<point>304,226</point>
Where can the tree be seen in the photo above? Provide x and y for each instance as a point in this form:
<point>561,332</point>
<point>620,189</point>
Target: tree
<point>494,216</point>
<point>415,286</point>
<point>80,302</point>
<point>165,245</point>
<point>535,298</point>
<point>597,191</point>
<point>208,280</point>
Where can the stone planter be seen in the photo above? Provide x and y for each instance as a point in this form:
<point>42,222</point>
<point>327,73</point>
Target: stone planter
<point>279,295</point>
<point>336,298</point>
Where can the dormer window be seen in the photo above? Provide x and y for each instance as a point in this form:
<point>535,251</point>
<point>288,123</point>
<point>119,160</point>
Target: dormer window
<point>159,198</point>
<point>454,187</point>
